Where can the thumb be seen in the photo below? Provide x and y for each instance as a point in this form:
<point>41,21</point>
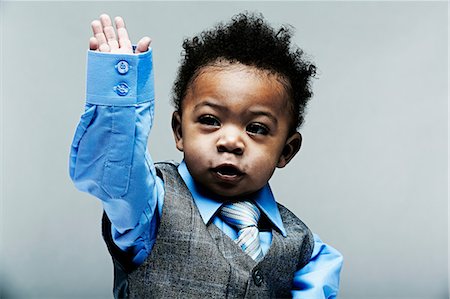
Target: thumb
<point>93,44</point>
<point>143,44</point>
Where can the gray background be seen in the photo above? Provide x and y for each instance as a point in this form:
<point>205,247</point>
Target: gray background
<point>371,178</point>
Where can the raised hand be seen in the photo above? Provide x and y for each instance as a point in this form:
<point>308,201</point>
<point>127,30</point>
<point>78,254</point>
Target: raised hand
<point>106,40</point>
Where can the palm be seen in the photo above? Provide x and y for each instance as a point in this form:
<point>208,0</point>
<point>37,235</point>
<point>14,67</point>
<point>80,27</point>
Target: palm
<point>105,38</point>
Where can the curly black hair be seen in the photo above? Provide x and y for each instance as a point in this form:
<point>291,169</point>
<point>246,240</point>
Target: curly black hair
<point>248,39</point>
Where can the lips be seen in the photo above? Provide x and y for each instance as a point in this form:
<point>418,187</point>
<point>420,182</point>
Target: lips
<point>228,173</point>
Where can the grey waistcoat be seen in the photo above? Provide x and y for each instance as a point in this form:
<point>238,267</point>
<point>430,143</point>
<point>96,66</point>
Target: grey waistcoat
<point>192,260</point>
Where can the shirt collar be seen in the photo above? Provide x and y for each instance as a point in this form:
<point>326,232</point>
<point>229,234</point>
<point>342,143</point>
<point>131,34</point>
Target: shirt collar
<point>208,206</point>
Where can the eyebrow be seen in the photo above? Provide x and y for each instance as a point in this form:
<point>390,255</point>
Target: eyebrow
<point>210,104</point>
<point>264,113</point>
<point>223,108</point>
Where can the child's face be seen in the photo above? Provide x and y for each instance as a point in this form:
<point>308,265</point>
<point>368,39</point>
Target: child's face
<point>234,128</point>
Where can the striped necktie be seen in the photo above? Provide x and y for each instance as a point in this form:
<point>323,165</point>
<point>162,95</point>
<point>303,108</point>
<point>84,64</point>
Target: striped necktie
<point>244,216</point>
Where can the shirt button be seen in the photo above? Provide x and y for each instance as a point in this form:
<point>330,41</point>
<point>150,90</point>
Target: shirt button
<point>121,89</point>
<point>257,277</point>
<point>122,67</point>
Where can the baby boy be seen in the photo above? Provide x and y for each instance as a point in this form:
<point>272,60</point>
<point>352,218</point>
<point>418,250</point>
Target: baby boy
<point>208,227</point>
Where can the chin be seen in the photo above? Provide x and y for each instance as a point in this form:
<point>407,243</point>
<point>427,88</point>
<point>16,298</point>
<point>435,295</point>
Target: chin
<point>229,193</point>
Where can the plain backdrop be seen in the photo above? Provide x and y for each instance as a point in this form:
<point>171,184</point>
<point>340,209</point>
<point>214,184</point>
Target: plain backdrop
<point>371,178</point>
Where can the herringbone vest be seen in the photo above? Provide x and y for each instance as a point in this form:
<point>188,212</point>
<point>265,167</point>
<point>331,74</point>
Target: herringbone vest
<point>192,260</point>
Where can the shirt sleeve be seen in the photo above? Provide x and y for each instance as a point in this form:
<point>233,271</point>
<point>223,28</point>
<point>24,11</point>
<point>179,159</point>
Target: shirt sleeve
<point>320,277</point>
<point>109,157</point>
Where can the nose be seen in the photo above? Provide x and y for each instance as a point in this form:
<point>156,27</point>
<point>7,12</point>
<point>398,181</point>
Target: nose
<point>230,141</point>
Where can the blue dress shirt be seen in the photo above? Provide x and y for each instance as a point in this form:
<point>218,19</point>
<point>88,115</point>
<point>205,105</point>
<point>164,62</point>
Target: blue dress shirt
<point>109,159</point>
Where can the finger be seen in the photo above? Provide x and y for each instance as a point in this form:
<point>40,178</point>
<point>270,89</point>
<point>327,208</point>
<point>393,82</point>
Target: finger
<point>109,32</point>
<point>143,44</point>
<point>97,29</point>
<point>124,41</point>
<point>105,19</point>
<point>122,33</point>
<point>93,44</point>
<point>104,48</point>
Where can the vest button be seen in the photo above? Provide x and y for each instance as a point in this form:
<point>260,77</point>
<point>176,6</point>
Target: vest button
<point>257,277</point>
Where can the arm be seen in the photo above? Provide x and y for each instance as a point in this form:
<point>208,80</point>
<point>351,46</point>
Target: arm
<point>109,157</point>
<point>320,277</point>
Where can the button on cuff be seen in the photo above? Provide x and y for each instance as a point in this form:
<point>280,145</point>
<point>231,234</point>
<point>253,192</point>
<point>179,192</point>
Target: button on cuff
<point>121,89</point>
<point>122,67</point>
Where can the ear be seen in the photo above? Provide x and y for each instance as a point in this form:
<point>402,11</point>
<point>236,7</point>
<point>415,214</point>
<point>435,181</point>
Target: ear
<point>176,129</point>
<point>291,148</point>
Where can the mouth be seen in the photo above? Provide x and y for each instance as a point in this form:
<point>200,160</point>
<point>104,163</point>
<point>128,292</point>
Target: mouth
<point>227,172</point>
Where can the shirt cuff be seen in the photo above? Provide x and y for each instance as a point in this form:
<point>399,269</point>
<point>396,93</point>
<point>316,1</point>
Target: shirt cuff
<point>320,277</point>
<point>119,79</point>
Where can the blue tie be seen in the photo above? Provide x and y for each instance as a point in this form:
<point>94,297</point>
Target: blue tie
<point>244,216</point>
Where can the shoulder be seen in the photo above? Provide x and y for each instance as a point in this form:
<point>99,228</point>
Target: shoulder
<point>166,169</point>
<point>168,165</point>
<point>290,218</point>
<point>294,225</point>
<point>299,233</point>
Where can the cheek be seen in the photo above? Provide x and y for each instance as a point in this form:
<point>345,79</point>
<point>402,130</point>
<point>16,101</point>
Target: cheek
<point>196,158</point>
<point>264,163</point>
<point>196,147</point>
<point>270,152</point>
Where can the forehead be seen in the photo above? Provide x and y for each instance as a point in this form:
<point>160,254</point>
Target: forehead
<point>240,87</point>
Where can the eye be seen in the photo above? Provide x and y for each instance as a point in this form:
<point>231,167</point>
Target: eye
<point>209,120</point>
<point>257,128</point>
